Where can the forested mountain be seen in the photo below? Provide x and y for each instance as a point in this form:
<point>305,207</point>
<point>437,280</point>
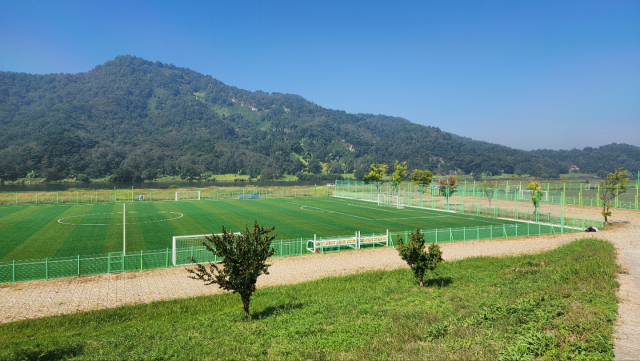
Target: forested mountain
<point>597,160</point>
<point>132,118</point>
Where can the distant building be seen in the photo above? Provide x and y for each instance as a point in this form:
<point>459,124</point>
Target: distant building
<point>573,168</point>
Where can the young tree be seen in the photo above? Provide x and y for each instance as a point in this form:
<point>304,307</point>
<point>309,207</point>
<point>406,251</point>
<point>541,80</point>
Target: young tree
<point>612,186</point>
<point>417,258</point>
<point>448,188</point>
<point>488,189</point>
<point>421,177</point>
<point>244,261</point>
<point>399,175</point>
<point>536,195</point>
<point>376,173</point>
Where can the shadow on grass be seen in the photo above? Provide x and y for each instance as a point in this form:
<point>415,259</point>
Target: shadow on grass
<point>49,353</point>
<point>275,310</point>
<point>439,282</point>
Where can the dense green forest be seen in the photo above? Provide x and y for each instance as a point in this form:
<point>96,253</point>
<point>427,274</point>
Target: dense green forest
<point>597,160</point>
<point>132,119</point>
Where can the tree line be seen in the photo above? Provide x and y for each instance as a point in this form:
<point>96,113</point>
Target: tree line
<point>133,119</point>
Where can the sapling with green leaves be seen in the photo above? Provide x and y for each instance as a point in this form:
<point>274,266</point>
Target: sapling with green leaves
<point>417,258</point>
<point>399,175</point>
<point>244,260</point>
<point>613,185</point>
<point>423,178</point>
<point>536,196</point>
<point>375,174</point>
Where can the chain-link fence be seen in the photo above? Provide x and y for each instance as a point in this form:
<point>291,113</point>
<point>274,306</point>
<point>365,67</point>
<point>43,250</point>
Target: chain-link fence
<point>116,262</point>
<point>131,194</point>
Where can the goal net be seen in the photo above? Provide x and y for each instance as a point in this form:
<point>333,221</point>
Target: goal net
<point>187,195</point>
<point>186,247</point>
<point>525,194</point>
<point>391,201</point>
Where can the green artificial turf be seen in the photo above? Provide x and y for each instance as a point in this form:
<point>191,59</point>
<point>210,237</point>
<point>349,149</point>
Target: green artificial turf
<point>33,232</point>
<point>557,305</point>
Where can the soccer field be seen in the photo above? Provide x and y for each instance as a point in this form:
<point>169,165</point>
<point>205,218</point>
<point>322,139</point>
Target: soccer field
<point>28,232</point>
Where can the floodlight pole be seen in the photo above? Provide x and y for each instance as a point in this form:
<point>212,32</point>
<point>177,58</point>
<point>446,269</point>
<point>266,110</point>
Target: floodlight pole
<point>124,233</point>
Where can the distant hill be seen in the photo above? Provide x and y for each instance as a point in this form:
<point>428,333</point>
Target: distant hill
<point>597,160</point>
<point>132,118</point>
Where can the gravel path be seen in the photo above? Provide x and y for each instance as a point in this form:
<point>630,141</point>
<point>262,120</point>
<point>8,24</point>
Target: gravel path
<point>70,295</point>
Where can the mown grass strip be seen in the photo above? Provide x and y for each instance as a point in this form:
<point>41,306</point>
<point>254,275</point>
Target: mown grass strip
<point>113,238</point>
<point>5,211</point>
<point>90,233</point>
<point>10,219</point>
<point>557,305</point>
<point>157,229</point>
<point>39,235</point>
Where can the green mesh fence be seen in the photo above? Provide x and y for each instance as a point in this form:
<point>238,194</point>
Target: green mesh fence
<point>430,198</point>
<point>580,194</point>
<point>115,262</point>
<point>131,194</point>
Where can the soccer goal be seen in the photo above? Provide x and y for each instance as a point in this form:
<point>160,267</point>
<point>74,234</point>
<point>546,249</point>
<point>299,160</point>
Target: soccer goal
<point>187,195</point>
<point>186,247</point>
<point>391,201</point>
<point>525,194</point>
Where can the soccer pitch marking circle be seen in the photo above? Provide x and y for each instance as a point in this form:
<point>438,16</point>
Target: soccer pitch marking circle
<point>62,220</point>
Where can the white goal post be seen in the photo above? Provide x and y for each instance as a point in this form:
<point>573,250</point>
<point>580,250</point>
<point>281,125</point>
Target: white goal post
<point>525,194</point>
<point>187,195</point>
<point>391,201</point>
<point>186,247</point>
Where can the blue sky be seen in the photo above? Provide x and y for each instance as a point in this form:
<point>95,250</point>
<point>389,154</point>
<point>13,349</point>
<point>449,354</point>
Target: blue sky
<point>540,74</point>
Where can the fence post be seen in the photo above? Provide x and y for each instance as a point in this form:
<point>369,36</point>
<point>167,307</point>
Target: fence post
<point>167,264</point>
<point>140,257</point>
<point>78,265</point>
<point>57,196</point>
<point>108,262</point>
<point>46,268</point>
<point>14,271</point>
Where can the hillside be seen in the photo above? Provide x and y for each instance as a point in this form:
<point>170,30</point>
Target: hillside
<point>597,160</point>
<point>132,118</point>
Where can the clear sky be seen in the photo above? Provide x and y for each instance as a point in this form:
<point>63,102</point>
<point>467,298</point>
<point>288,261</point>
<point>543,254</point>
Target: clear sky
<point>527,74</point>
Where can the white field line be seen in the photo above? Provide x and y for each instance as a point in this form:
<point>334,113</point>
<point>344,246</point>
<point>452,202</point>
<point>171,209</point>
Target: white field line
<point>418,210</point>
<point>179,215</point>
<point>303,206</point>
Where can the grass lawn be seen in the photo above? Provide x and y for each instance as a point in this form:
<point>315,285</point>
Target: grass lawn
<point>558,305</point>
<point>28,232</point>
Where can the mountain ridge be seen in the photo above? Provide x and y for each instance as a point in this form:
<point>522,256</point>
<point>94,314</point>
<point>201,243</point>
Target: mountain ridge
<point>133,118</point>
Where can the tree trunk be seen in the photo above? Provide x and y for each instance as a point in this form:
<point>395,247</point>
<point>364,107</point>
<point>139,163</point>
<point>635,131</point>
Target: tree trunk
<point>245,305</point>
<point>421,281</point>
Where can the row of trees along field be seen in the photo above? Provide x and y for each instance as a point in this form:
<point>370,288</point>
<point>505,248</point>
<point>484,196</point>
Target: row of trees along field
<point>613,185</point>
